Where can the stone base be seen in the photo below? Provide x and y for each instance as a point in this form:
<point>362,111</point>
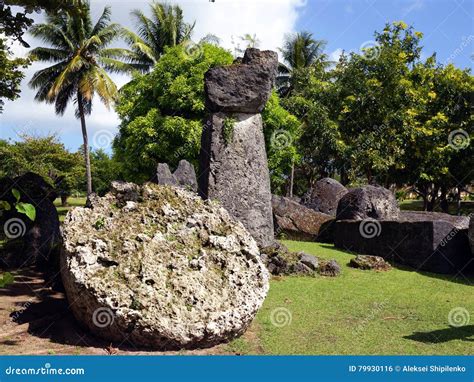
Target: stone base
<point>234,170</point>
<point>433,246</point>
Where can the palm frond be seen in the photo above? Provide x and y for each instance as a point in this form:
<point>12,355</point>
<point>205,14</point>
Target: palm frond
<point>48,54</point>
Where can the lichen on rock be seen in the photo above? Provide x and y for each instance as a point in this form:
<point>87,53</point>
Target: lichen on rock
<point>170,270</point>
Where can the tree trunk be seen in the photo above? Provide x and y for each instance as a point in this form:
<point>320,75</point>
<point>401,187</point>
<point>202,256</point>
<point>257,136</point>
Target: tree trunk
<point>443,201</point>
<point>64,198</point>
<point>292,178</point>
<point>86,144</point>
<point>458,201</point>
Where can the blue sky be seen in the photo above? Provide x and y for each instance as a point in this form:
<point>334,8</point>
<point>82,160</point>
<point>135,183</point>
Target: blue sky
<point>446,24</point>
<point>448,27</point>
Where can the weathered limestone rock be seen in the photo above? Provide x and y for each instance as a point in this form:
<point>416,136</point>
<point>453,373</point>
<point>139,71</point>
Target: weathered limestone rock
<point>184,176</point>
<point>243,87</point>
<point>164,175</point>
<point>233,162</point>
<point>236,173</point>
<point>30,242</point>
<point>167,270</point>
<point>329,268</point>
<point>297,222</point>
<point>324,196</point>
<point>368,202</point>
<point>370,262</point>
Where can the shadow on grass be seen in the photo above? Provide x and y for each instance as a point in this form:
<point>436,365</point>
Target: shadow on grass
<point>463,333</point>
<point>464,279</point>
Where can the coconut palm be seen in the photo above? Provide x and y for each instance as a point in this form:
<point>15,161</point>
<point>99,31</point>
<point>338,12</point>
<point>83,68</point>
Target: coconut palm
<point>300,50</point>
<point>78,50</point>
<point>166,27</point>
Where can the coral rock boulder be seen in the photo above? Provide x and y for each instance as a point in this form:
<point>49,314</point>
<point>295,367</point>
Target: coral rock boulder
<point>167,270</point>
<point>368,202</point>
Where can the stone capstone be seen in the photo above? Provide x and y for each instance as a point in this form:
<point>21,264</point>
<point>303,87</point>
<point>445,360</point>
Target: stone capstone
<point>368,202</point>
<point>432,242</point>
<point>234,170</point>
<point>295,221</point>
<point>165,270</point>
<point>242,87</point>
<point>324,196</point>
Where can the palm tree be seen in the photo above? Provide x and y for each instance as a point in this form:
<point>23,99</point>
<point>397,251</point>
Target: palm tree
<point>300,50</point>
<point>78,50</point>
<point>166,27</point>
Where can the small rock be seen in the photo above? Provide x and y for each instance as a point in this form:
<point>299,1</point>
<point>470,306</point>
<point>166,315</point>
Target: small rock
<point>301,269</point>
<point>124,191</point>
<point>370,262</point>
<point>329,268</point>
<point>309,260</point>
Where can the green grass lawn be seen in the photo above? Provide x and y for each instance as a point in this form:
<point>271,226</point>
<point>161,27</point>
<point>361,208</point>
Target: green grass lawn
<point>362,312</point>
<point>72,202</point>
<point>467,207</point>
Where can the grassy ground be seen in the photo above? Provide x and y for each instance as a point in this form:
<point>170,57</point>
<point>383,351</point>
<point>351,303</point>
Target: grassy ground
<point>467,207</point>
<point>361,312</point>
<point>72,202</point>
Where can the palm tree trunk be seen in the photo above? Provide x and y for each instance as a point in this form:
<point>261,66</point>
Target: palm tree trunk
<point>87,158</point>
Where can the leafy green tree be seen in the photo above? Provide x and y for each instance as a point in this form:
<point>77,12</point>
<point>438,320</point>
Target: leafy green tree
<point>78,49</point>
<point>299,51</point>
<point>11,74</point>
<point>165,28</point>
<point>12,28</point>
<point>162,113</point>
<point>104,170</point>
<point>282,132</point>
<point>439,155</point>
<point>45,156</point>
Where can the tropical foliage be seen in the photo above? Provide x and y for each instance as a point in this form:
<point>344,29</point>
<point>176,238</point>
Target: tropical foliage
<point>165,28</point>
<point>80,55</point>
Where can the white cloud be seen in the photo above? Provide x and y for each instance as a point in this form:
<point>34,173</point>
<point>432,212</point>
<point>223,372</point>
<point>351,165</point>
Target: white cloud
<point>268,19</point>
<point>334,55</point>
<point>413,5</point>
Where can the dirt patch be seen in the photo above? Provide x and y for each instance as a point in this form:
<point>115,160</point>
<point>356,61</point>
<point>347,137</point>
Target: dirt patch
<point>35,320</point>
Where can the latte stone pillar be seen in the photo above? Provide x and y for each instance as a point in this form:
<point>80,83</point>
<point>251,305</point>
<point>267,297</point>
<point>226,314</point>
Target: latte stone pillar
<point>233,160</point>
